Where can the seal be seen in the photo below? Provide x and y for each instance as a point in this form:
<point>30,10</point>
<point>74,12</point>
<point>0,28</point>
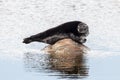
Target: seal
<point>75,30</point>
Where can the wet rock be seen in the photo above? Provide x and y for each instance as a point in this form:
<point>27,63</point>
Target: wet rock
<point>67,56</point>
<point>66,46</point>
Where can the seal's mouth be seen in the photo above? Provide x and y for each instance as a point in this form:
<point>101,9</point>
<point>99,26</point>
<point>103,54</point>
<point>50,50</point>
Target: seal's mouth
<point>83,30</point>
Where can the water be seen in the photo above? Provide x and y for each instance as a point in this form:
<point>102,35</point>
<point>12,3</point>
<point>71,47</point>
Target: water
<point>22,18</point>
<point>40,66</point>
<point>59,67</point>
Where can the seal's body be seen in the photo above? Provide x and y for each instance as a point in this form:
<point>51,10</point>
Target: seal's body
<point>75,30</point>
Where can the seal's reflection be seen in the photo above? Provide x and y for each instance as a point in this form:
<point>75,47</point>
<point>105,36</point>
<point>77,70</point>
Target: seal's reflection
<point>65,57</point>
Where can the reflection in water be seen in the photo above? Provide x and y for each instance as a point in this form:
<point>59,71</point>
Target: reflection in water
<point>67,62</point>
<point>36,62</point>
<point>72,66</point>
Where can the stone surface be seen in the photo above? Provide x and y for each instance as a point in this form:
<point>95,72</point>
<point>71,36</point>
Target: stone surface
<point>67,56</point>
<point>66,46</point>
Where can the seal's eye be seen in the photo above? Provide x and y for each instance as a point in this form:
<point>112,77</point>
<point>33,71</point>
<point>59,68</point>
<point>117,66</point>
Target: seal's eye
<point>84,29</point>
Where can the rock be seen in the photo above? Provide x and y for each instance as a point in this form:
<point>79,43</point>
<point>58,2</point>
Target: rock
<point>66,46</point>
<point>67,56</point>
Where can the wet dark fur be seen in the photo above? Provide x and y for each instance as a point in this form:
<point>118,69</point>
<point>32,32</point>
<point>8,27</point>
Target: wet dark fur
<point>51,36</point>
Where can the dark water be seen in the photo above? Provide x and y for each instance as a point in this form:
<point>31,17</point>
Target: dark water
<point>40,66</point>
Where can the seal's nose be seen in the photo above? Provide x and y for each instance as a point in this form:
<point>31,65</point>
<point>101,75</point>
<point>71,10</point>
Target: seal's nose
<point>83,40</point>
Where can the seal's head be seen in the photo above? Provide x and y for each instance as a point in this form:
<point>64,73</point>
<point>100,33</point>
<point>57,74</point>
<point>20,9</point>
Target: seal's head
<point>83,29</point>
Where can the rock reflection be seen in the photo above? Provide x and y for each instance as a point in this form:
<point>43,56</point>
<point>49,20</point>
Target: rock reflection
<point>66,58</point>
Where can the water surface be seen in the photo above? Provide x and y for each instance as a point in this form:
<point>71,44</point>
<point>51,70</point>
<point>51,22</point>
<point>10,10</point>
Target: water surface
<point>41,66</point>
